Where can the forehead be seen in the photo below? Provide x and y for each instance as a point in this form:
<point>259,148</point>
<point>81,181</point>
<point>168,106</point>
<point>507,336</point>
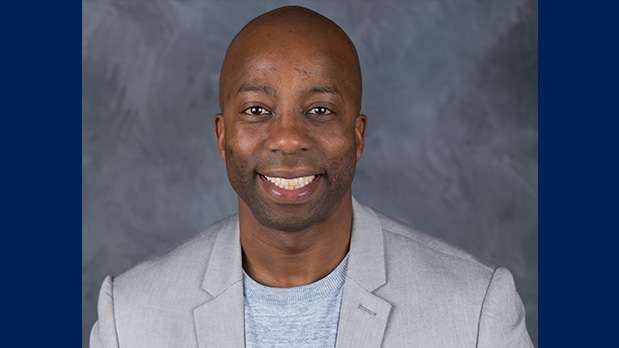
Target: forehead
<point>289,58</point>
<point>288,69</point>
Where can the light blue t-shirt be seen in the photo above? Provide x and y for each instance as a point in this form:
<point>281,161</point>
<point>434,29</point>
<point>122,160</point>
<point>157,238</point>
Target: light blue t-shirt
<point>302,316</point>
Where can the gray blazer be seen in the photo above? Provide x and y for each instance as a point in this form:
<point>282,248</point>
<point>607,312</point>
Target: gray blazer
<point>403,289</point>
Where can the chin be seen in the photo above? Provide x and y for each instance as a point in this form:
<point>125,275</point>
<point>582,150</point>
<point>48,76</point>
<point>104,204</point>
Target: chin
<point>287,223</point>
<point>292,217</point>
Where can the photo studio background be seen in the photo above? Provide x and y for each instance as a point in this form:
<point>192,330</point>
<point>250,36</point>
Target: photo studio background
<point>450,89</point>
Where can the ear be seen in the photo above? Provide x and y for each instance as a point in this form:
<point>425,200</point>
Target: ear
<point>218,125</point>
<point>360,126</point>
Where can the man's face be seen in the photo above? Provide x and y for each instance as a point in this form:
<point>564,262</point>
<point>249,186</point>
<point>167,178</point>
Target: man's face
<point>290,133</point>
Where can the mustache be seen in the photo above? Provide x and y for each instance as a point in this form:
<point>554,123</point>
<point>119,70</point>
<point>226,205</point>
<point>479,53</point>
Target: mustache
<point>302,159</point>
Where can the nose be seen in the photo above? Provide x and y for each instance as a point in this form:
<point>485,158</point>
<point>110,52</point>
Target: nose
<point>288,135</point>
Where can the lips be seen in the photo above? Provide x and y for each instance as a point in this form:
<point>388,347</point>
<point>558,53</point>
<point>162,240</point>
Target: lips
<point>292,183</point>
<point>290,187</point>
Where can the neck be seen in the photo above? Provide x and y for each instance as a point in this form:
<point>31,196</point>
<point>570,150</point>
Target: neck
<point>286,259</point>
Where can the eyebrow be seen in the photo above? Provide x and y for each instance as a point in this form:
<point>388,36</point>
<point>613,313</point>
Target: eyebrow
<point>247,87</point>
<point>318,89</point>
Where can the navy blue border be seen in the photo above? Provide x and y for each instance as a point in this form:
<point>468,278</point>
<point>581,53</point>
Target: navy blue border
<point>578,178</point>
<point>41,140</point>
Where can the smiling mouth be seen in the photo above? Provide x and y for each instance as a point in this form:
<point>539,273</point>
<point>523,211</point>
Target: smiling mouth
<point>287,186</point>
<point>291,183</point>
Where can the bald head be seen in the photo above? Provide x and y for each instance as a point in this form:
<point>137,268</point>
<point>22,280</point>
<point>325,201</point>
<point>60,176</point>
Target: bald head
<point>291,37</point>
<point>290,96</point>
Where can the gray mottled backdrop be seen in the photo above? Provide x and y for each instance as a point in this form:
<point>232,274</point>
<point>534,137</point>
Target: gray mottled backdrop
<point>450,91</point>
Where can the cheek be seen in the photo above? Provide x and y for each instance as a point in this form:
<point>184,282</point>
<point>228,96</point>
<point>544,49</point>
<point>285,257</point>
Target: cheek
<point>239,154</point>
<point>242,142</point>
<point>338,142</point>
<point>339,150</point>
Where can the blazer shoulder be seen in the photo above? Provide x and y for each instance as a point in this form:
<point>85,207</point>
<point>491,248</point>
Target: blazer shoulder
<point>433,273</point>
<point>431,248</point>
<point>160,278</point>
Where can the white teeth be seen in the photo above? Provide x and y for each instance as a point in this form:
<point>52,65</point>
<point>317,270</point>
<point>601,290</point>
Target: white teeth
<point>291,184</point>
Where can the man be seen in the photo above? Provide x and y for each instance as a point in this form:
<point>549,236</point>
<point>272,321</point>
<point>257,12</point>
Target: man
<point>303,264</point>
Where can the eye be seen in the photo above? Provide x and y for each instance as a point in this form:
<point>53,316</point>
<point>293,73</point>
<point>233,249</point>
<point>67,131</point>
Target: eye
<point>319,110</point>
<point>256,110</point>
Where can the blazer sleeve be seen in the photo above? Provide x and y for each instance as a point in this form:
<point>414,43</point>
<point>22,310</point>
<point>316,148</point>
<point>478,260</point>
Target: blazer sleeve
<point>502,319</point>
<point>103,333</point>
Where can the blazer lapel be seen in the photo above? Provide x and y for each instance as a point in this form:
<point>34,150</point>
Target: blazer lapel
<point>363,318</point>
<point>219,322</point>
<point>363,315</point>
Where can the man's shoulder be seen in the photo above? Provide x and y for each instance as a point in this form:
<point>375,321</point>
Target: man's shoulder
<point>440,291</point>
<point>428,272</point>
<point>403,242</point>
<point>181,268</point>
